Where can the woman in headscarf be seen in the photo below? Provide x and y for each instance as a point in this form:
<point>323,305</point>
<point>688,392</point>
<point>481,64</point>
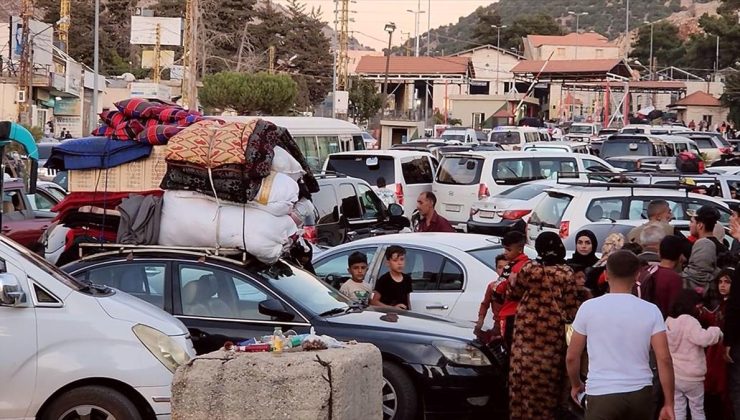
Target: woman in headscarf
<point>585,254</point>
<point>596,276</point>
<point>548,301</point>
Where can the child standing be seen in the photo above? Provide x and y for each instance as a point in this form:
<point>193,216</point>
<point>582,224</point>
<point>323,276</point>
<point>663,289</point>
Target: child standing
<point>489,302</point>
<point>513,243</point>
<point>686,341</point>
<point>355,288</point>
<point>394,287</point>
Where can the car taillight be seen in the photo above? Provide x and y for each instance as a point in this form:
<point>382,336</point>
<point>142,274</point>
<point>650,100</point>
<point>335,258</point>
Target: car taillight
<point>483,192</point>
<point>399,194</point>
<point>564,229</point>
<point>725,150</point>
<point>514,214</point>
<point>310,234</point>
<point>701,166</point>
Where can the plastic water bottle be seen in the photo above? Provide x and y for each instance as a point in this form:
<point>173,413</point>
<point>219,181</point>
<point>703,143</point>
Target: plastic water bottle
<point>277,340</point>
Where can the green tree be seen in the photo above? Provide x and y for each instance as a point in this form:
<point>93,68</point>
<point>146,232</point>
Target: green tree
<point>701,48</point>
<point>540,24</point>
<point>249,94</point>
<point>364,100</point>
<point>731,97</point>
<point>667,46</point>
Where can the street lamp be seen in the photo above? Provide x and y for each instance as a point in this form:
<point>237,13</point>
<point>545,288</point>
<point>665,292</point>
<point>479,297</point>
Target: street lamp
<point>390,28</point>
<point>498,50</point>
<point>416,27</point>
<point>650,65</point>
<point>578,17</point>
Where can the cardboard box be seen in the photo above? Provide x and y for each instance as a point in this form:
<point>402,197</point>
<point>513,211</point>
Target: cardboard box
<point>141,175</point>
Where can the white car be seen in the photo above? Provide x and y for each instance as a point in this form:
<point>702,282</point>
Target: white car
<point>407,172</point>
<point>712,145</point>
<point>513,138</point>
<point>653,129</point>
<point>585,132</point>
<point>466,178</point>
<point>559,146</point>
<point>508,210</point>
<point>73,350</point>
<point>724,170</point>
<point>449,271</point>
<point>462,135</point>
<point>566,209</point>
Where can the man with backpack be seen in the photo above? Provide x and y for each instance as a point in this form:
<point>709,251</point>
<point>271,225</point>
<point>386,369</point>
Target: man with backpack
<point>702,266</point>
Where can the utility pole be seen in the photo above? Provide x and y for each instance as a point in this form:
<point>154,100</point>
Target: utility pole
<point>416,13</point>
<point>716,61</point>
<point>157,53</point>
<point>25,84</point>
<point>429,26</point>
<point>627,31</point>
<point>96,70</point>
<point>390,28</point>
<point>334,52</point>
<point>189,87</point>
<point>652,72</point>
<point>498,51</point>
<point>343,57</point>
<point>64,21</point>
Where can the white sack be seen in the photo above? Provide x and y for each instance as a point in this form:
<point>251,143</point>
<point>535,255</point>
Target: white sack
<point>192,219</point>
<point>286,164</point>
<point>277,195</point>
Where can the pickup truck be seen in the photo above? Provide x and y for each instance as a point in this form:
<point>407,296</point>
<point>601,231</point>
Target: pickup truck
<point>19,221</point>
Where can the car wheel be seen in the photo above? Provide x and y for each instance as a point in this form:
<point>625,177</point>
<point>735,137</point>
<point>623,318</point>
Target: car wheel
<point>399,394</point>
<point>92,402</point>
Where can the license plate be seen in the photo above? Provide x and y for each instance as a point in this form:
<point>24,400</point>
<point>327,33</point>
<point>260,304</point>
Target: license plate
<point>454,208</point>
<point>486,214</point>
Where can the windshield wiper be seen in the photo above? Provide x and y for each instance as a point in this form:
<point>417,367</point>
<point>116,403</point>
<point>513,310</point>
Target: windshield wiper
<point>335,311</point>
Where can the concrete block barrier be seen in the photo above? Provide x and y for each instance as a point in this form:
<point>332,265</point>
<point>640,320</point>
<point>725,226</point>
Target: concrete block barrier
<point>334,384</point>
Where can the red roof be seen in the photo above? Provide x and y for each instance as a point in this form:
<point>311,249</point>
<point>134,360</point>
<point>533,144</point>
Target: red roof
<point>503,112</point>
<point>567,66</point>
<point>570,100</point>
<point>698,98</point>
<point>414,65</point>
<point>588,39</point>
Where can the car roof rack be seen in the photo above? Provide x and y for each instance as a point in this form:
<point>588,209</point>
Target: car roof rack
<point>330,174</point>
<point>89,250</point>
<point>619,180</point>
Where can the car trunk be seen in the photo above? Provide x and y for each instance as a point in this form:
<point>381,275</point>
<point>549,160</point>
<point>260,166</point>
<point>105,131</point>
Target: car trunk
<point>547,216</point>
<point>458,185</point>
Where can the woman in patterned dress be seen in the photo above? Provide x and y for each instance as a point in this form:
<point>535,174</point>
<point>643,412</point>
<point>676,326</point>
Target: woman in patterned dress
<point>549,300</point>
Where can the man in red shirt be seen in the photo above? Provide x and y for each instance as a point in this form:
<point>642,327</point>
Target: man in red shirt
<point>662,283</point>
<point>430,220</point>
<point>513,243</point>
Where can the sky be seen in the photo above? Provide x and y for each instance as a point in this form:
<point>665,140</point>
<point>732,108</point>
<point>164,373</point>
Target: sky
<point>372,15</point>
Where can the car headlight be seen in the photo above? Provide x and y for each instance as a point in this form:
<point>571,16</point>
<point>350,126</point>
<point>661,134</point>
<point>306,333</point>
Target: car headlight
<point>162,346</point>
<point>462,353</point>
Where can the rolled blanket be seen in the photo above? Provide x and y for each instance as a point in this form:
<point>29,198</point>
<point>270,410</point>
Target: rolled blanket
<point>95,153</point>
<point>210,144</point>
<point>230,182</point>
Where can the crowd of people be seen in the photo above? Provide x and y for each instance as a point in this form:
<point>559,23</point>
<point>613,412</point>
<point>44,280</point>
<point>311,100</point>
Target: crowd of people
<point>652,323</point>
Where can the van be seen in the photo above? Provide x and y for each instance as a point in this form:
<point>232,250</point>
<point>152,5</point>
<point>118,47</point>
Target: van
<point>652,129</point>
<point>678,144</point>
<point>512,138</point>
<point>76,350</point>
<point>466,178</point>
<point>586,132</point>
<point>316,137</point>
<point>407,172</point>
<point>463,135</point>
<point>559,146</point>
<point>634,145</point>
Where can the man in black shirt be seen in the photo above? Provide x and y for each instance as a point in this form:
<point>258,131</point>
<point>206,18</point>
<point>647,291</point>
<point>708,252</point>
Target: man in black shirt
<point>393,288</point>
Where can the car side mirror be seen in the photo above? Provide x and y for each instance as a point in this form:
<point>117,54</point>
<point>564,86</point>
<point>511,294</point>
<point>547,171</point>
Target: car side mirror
<point>395,210</point>
<point>11,293</point>
<point>275,308</point>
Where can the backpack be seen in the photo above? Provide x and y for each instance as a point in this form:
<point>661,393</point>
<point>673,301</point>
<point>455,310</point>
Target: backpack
<point>689,163</point>
<point>645,285</point>
<point>725,258</point>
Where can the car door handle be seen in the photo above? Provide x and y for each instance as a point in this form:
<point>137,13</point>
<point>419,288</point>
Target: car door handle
<point>443,307</point>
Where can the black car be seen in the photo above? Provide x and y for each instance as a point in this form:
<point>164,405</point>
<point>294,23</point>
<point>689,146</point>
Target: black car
<point>430,365</point>
<point>348,209</point>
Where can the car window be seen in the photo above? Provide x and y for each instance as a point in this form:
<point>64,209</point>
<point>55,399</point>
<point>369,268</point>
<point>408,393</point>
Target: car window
<point>330,143</point>
<point>638,207</point>
<point>456,170</point>
<point>43,201</point>
<point>212,292</point>
<point>550,210</point>
<point>424,267</point>
<point>369,201</point>
<point>531,137</point>
<point>625,148</point>
<point>366,167</point>
<point>513,171</point>
<point>734,187</point>
<point>337,266</point>
<point>605,208</point>
<point>307,145</point>
<point>417,171</point>
<point>506,137</point>
<point>487,255</point>
<point>142,280</point>
<point>705,143</point>
<point>451,277</point>
<point>358,142</point>
<point>694,204</point>
<point>594,166</point>
<point>325,201</point>
<point>549,168</point>
<point>349,202</point>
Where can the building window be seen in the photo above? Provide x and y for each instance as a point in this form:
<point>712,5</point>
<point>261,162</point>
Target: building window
<point>560,52</point>
<point>478,119</point>
<point>478,87</point>
<point>599,53</point>
<point>707,119</point>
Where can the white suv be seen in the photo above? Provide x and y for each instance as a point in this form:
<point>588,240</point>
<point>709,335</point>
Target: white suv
<point>566,209</point>
<point>466,178</point>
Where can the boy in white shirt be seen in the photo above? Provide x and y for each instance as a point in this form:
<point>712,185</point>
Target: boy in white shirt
<point>355,288</point>
<point>620,329</point>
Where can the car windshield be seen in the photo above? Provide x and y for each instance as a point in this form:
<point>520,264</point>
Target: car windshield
<point>625,148</point>
<point>549,212</point>
<point>366,167</point>
<point>304,289</point>
<point>629,165</point>
<point>704,143</point>
<point>506,137</point>
<point>458,137</point>
<point>460,170</point>
<point>44,265</point>
<point>524,191</point>
<point>580,129</point>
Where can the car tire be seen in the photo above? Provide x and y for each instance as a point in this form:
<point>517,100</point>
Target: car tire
<point>400,401</point>
<point>94,401</point>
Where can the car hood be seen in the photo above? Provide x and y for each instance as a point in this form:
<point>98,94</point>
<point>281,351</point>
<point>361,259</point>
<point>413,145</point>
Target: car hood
<point>125,307</point>
<point>407,323</point>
